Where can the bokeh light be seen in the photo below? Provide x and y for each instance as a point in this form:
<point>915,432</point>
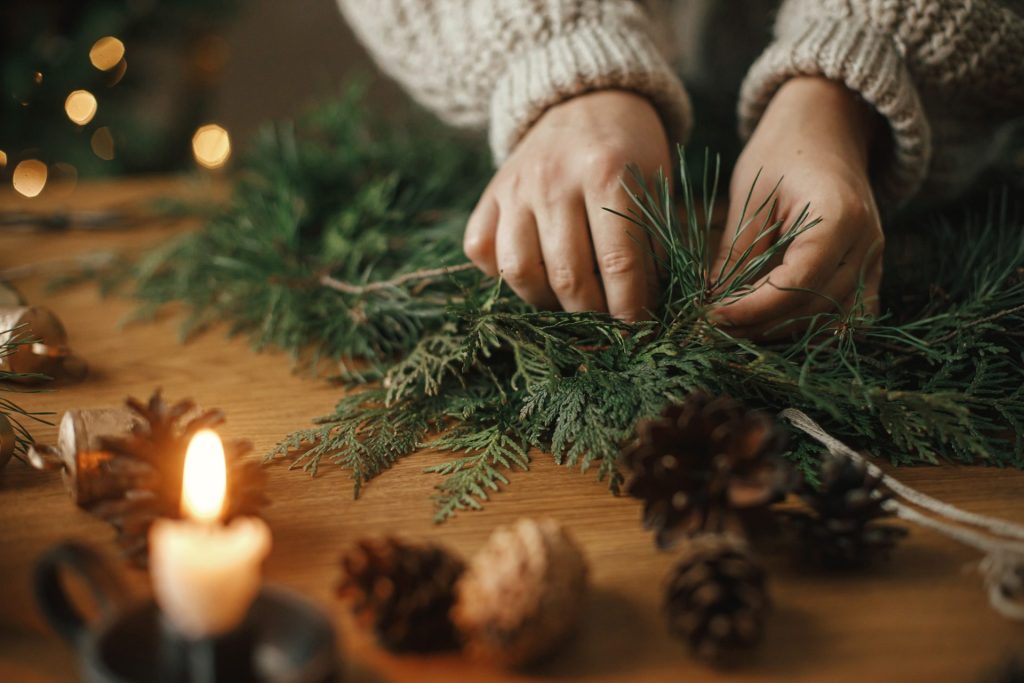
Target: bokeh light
<point>37,77</point>
<point>80,106</point>
<point>102,143</point>
<point>3,159</point>
<point>211,146</point>
<point>106,53</point>
<point>29,177</point>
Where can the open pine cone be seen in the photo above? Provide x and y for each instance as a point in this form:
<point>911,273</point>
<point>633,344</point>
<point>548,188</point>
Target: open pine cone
<point>707,465</point>
<point>715,599</point>
<point>144,470</point>
<point>404,592</point>
<point>522,594</point>
<point>840,529</point>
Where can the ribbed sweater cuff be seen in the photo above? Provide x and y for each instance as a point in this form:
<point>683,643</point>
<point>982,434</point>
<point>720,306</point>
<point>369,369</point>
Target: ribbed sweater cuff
<point>588,59</point>
<point>868,63</point>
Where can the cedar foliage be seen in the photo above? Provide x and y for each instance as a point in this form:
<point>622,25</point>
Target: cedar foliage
<point>938,376</point>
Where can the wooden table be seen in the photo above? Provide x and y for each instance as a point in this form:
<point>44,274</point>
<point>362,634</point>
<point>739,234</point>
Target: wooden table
<point>923,617</point>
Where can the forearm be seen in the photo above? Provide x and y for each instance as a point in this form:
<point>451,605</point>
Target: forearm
<point>966,58</point>
<point>826,111</point>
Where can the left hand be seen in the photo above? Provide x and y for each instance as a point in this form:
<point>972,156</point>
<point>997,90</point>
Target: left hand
<point>816,136</point>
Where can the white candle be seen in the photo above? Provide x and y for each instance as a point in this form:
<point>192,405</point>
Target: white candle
<point>205,574</point>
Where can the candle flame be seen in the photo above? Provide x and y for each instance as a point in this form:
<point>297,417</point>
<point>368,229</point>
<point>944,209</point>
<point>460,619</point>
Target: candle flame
<point>205,478</point>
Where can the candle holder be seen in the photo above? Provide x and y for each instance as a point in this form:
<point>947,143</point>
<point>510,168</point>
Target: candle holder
<point>282,638</point>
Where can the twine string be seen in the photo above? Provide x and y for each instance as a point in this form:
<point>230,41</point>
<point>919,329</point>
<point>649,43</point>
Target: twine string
<point>1001,568</point>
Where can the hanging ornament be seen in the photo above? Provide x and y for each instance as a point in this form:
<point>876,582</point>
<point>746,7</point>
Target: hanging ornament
<point>522,594</point>
<point>841,529</point>
<point>41,350</point>
<point>715,599</point>
<point>88,471</point>
<point>403,591</point>
<point>707,465</point>
<point>125,466</point>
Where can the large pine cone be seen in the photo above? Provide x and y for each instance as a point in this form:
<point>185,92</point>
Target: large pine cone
<point>707,465</point>
<point>840,530</point>
<point>404,592</point>
<point>522,594</point>
<point>143,472</point>
<point>715,599</point>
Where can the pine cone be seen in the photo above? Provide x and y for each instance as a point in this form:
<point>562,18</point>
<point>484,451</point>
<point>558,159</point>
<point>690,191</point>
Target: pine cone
<point>715,599</point>
<point>403,591</point>
<point>522,594</point>
<point>707,465</point>
<point>144,468</point>
<point>840,530</point>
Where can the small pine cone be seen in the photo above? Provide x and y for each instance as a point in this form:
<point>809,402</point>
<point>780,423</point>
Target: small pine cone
<point>404,592</point>
<point>141,471</point>
<point>840,530</point>
<point>708,465</point>
<point>715,599</point>
<point>522,594</point>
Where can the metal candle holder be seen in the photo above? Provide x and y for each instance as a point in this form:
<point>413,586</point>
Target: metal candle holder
<point>283,637</point>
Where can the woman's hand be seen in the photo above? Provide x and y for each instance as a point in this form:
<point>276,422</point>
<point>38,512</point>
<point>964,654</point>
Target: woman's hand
<point>541,224</point>
<point>816,136</point>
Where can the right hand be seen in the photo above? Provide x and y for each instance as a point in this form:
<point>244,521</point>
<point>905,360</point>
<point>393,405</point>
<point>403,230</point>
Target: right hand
<point>541,224</point>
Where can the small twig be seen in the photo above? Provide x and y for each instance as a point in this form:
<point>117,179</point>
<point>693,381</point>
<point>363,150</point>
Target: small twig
<point>414,276</point>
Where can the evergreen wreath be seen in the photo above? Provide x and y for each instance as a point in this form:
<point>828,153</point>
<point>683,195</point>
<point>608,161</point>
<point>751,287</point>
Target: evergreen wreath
<point>342,245</point>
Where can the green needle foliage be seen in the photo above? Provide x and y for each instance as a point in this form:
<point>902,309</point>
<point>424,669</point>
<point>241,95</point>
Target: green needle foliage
<point>346,196</point>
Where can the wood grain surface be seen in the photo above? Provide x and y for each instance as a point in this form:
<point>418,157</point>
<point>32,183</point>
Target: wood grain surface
<point>923,617</point>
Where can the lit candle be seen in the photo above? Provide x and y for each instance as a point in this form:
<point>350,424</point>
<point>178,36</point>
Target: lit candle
<point>206,574</point>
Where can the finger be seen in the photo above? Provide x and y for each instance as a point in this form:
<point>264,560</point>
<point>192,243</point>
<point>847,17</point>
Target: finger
<point>624,258</point>
<point>811,311</point>
<point>478,242</point>
<point>519,258</point>
<point>569,255</point>
<point>809,263</point>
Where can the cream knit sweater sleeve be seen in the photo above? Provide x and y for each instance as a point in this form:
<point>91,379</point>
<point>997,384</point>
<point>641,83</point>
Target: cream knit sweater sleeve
<point>944,73</point>
<point>501,63</point>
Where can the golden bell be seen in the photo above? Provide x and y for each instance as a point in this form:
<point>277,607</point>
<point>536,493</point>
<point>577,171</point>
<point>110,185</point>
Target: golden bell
<point>44,346</point>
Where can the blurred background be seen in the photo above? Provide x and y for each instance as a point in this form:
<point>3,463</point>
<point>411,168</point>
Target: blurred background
<point>96,88</point>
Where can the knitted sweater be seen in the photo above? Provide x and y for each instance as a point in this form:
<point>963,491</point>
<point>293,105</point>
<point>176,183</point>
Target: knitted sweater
<point>945,74</point>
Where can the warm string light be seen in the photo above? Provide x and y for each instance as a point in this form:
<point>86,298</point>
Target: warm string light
<point>106,53</point>
<point>29,177</point>
<point>211,146</point>
<point>80,106</point>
